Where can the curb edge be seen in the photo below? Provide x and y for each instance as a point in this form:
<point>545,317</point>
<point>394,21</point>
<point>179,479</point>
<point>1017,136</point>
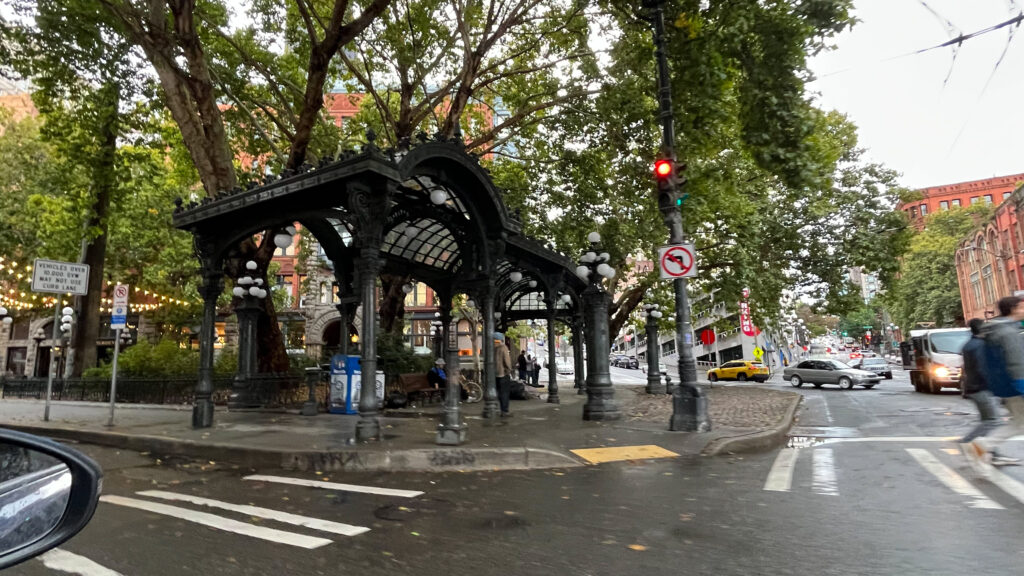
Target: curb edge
<point>756,441</point>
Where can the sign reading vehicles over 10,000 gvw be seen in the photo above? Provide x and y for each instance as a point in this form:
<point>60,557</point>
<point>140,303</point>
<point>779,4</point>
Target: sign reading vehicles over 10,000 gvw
<point>60,277</point>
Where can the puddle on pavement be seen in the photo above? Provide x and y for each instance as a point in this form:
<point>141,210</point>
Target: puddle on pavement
<point>808,436</point>
<point>417,509</point>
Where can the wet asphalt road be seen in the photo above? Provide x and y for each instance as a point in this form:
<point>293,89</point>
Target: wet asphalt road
<point>860,506</point>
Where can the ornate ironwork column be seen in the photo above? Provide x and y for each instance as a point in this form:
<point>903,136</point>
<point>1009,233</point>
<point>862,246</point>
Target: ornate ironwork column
<point>202,411</point>
<point>655,384</point>
<point>242,393</point>
<point>490,382</point>
<point>552,363</point>
<point>579,371</point>
<point>450,431</point>
<point>368,427</point>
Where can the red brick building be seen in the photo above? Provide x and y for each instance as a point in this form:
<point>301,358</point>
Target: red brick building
<point>990,263</point>
<point>963,194</point>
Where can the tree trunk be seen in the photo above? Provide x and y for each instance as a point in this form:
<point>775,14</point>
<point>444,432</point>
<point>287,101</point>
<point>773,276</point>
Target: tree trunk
<point>392,303</point>
<point>94,251</point>
<point>619,312</point>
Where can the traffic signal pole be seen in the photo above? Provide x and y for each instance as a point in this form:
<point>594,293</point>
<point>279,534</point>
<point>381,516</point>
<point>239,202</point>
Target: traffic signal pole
<point>689,403</point>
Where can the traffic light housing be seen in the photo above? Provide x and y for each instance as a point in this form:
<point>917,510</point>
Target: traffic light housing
<point>668,175</point>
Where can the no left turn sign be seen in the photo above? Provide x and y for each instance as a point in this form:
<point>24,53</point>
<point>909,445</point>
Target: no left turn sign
<point>677,261</point>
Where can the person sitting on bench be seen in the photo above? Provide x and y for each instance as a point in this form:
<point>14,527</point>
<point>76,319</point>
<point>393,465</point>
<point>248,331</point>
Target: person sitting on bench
<point>437,376</point>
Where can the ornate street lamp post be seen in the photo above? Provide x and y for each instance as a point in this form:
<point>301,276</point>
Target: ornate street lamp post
<point>594,269</point>
<point>252,293</point>
<point>655,385</point>
<point>689,404</point>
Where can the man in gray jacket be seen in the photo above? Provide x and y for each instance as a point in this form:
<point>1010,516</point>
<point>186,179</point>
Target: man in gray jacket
<point>1005,376</point>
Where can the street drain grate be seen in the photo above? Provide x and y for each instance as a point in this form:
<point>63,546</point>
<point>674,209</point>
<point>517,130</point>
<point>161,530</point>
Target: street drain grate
<point>418,508</point>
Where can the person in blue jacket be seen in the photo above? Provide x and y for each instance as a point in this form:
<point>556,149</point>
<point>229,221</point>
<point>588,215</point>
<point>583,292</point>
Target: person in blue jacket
<point>974,383</point>
<point>1004,367</point>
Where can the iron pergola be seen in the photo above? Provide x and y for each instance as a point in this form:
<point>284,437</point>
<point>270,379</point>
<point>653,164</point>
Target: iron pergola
<point>426,210</point>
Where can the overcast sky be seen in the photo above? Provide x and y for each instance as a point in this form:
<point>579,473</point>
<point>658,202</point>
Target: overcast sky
<point>929,132</point>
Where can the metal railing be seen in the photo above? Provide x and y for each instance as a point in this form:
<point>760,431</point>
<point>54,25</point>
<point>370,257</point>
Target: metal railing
<point>273,390</point>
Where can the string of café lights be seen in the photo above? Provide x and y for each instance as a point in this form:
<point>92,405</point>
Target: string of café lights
<point>21,300</point>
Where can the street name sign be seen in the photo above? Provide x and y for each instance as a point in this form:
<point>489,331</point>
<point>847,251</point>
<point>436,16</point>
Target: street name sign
<point>677,261</point>
<point>60,277</point>
<point>119,312</point>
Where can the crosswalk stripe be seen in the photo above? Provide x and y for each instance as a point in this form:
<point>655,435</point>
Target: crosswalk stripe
<point>952,480</point>
<point>334,486</point>
<point>225,524</point>
<point>64,561</point>
<point>824,481</point>
<point>286,517</point>
<point>780,477</point>
<point>1005,483</point>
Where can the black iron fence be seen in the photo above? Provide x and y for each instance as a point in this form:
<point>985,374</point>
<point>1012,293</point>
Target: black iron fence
<point>273,390</point>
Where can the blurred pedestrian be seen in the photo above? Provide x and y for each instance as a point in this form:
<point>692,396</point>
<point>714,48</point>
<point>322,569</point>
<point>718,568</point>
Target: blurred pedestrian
<point>535,372</point>
<point>1004,371</point>
<point>974,383</point>
<point>502,373</point>
<point>521,364</point>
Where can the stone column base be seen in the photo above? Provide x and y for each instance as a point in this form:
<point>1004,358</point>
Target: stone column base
<point>595,411</point>
<point>451,435</point>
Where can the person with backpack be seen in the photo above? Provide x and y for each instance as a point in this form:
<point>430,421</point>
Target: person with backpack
<point>436,376</point>
<point>1004,371</point>
<point>974,383</point>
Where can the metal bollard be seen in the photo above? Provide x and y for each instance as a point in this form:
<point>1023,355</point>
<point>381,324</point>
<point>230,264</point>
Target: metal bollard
<point>309,408</point>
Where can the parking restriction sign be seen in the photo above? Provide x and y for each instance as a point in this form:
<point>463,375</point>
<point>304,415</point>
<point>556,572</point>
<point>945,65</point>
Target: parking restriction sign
<point>119,312</point>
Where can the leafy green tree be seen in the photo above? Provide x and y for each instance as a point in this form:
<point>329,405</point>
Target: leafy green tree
<point>927,289</point>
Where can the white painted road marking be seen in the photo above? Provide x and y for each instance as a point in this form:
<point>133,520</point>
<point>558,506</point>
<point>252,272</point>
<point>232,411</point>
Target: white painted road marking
<point>1004,482</point>
<point>780,477</point>
<point>952,480</point>
<point>225,524</point>
<point>286,517</point>
<point>824,482</point>
<point>64,561</point>
<point>335,486</point>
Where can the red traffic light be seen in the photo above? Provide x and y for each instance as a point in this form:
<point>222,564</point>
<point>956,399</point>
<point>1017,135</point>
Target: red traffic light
<point>662,168</point>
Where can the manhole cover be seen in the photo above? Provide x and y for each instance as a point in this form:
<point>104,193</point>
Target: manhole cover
<point>414,509</point>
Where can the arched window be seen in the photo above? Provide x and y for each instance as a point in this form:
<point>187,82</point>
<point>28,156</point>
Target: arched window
<point>323,293</point>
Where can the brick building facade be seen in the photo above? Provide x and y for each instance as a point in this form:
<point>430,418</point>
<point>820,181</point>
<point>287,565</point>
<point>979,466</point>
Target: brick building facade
<point>960,195</point>
<point>989,263</point>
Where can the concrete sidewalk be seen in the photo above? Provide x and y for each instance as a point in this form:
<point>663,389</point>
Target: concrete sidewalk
<point>540,435</point>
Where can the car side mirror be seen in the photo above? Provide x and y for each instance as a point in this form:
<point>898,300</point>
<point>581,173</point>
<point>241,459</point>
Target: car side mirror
<point>48,493</point>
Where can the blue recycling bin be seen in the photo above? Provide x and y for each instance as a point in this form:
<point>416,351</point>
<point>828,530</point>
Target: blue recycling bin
<point>346,382</point>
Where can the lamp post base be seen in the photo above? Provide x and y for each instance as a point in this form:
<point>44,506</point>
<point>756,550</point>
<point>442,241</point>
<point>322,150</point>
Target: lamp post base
<point>689,410</point>
<point>242,396</point>
<point>448,435</point>
<point>368,429</point>
<point>202,413</point>
<point>655,385</point>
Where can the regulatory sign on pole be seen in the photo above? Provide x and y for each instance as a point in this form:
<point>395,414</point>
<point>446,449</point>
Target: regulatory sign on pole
<point>119,316</point>
<point>60,277</point>
<point>677,261</point>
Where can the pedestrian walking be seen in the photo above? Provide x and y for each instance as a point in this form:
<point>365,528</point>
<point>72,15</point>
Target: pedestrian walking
<point>1004,370</point>
<point>535,372</point>
<point>974,383</point>
<point>521,364</point>
<point>502,373</point>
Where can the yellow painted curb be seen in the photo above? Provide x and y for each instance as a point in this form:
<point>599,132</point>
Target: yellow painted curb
<point>618,453</point>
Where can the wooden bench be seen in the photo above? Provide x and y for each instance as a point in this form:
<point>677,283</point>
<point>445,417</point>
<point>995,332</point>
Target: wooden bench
<point>416,385</point>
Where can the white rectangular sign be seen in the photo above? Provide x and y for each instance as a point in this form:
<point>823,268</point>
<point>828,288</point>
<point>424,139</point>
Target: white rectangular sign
<point>60,277</point>
<point>119,312</point>
<point>677,261</point>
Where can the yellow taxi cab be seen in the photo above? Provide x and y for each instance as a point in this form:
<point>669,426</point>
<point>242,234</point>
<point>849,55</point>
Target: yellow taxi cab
<point>741,370</point>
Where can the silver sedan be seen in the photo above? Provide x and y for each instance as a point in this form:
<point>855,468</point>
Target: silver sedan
<point>820,372</point>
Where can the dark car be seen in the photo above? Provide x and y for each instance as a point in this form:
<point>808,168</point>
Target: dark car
<point>879,366</point>
<point>631,362</point>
